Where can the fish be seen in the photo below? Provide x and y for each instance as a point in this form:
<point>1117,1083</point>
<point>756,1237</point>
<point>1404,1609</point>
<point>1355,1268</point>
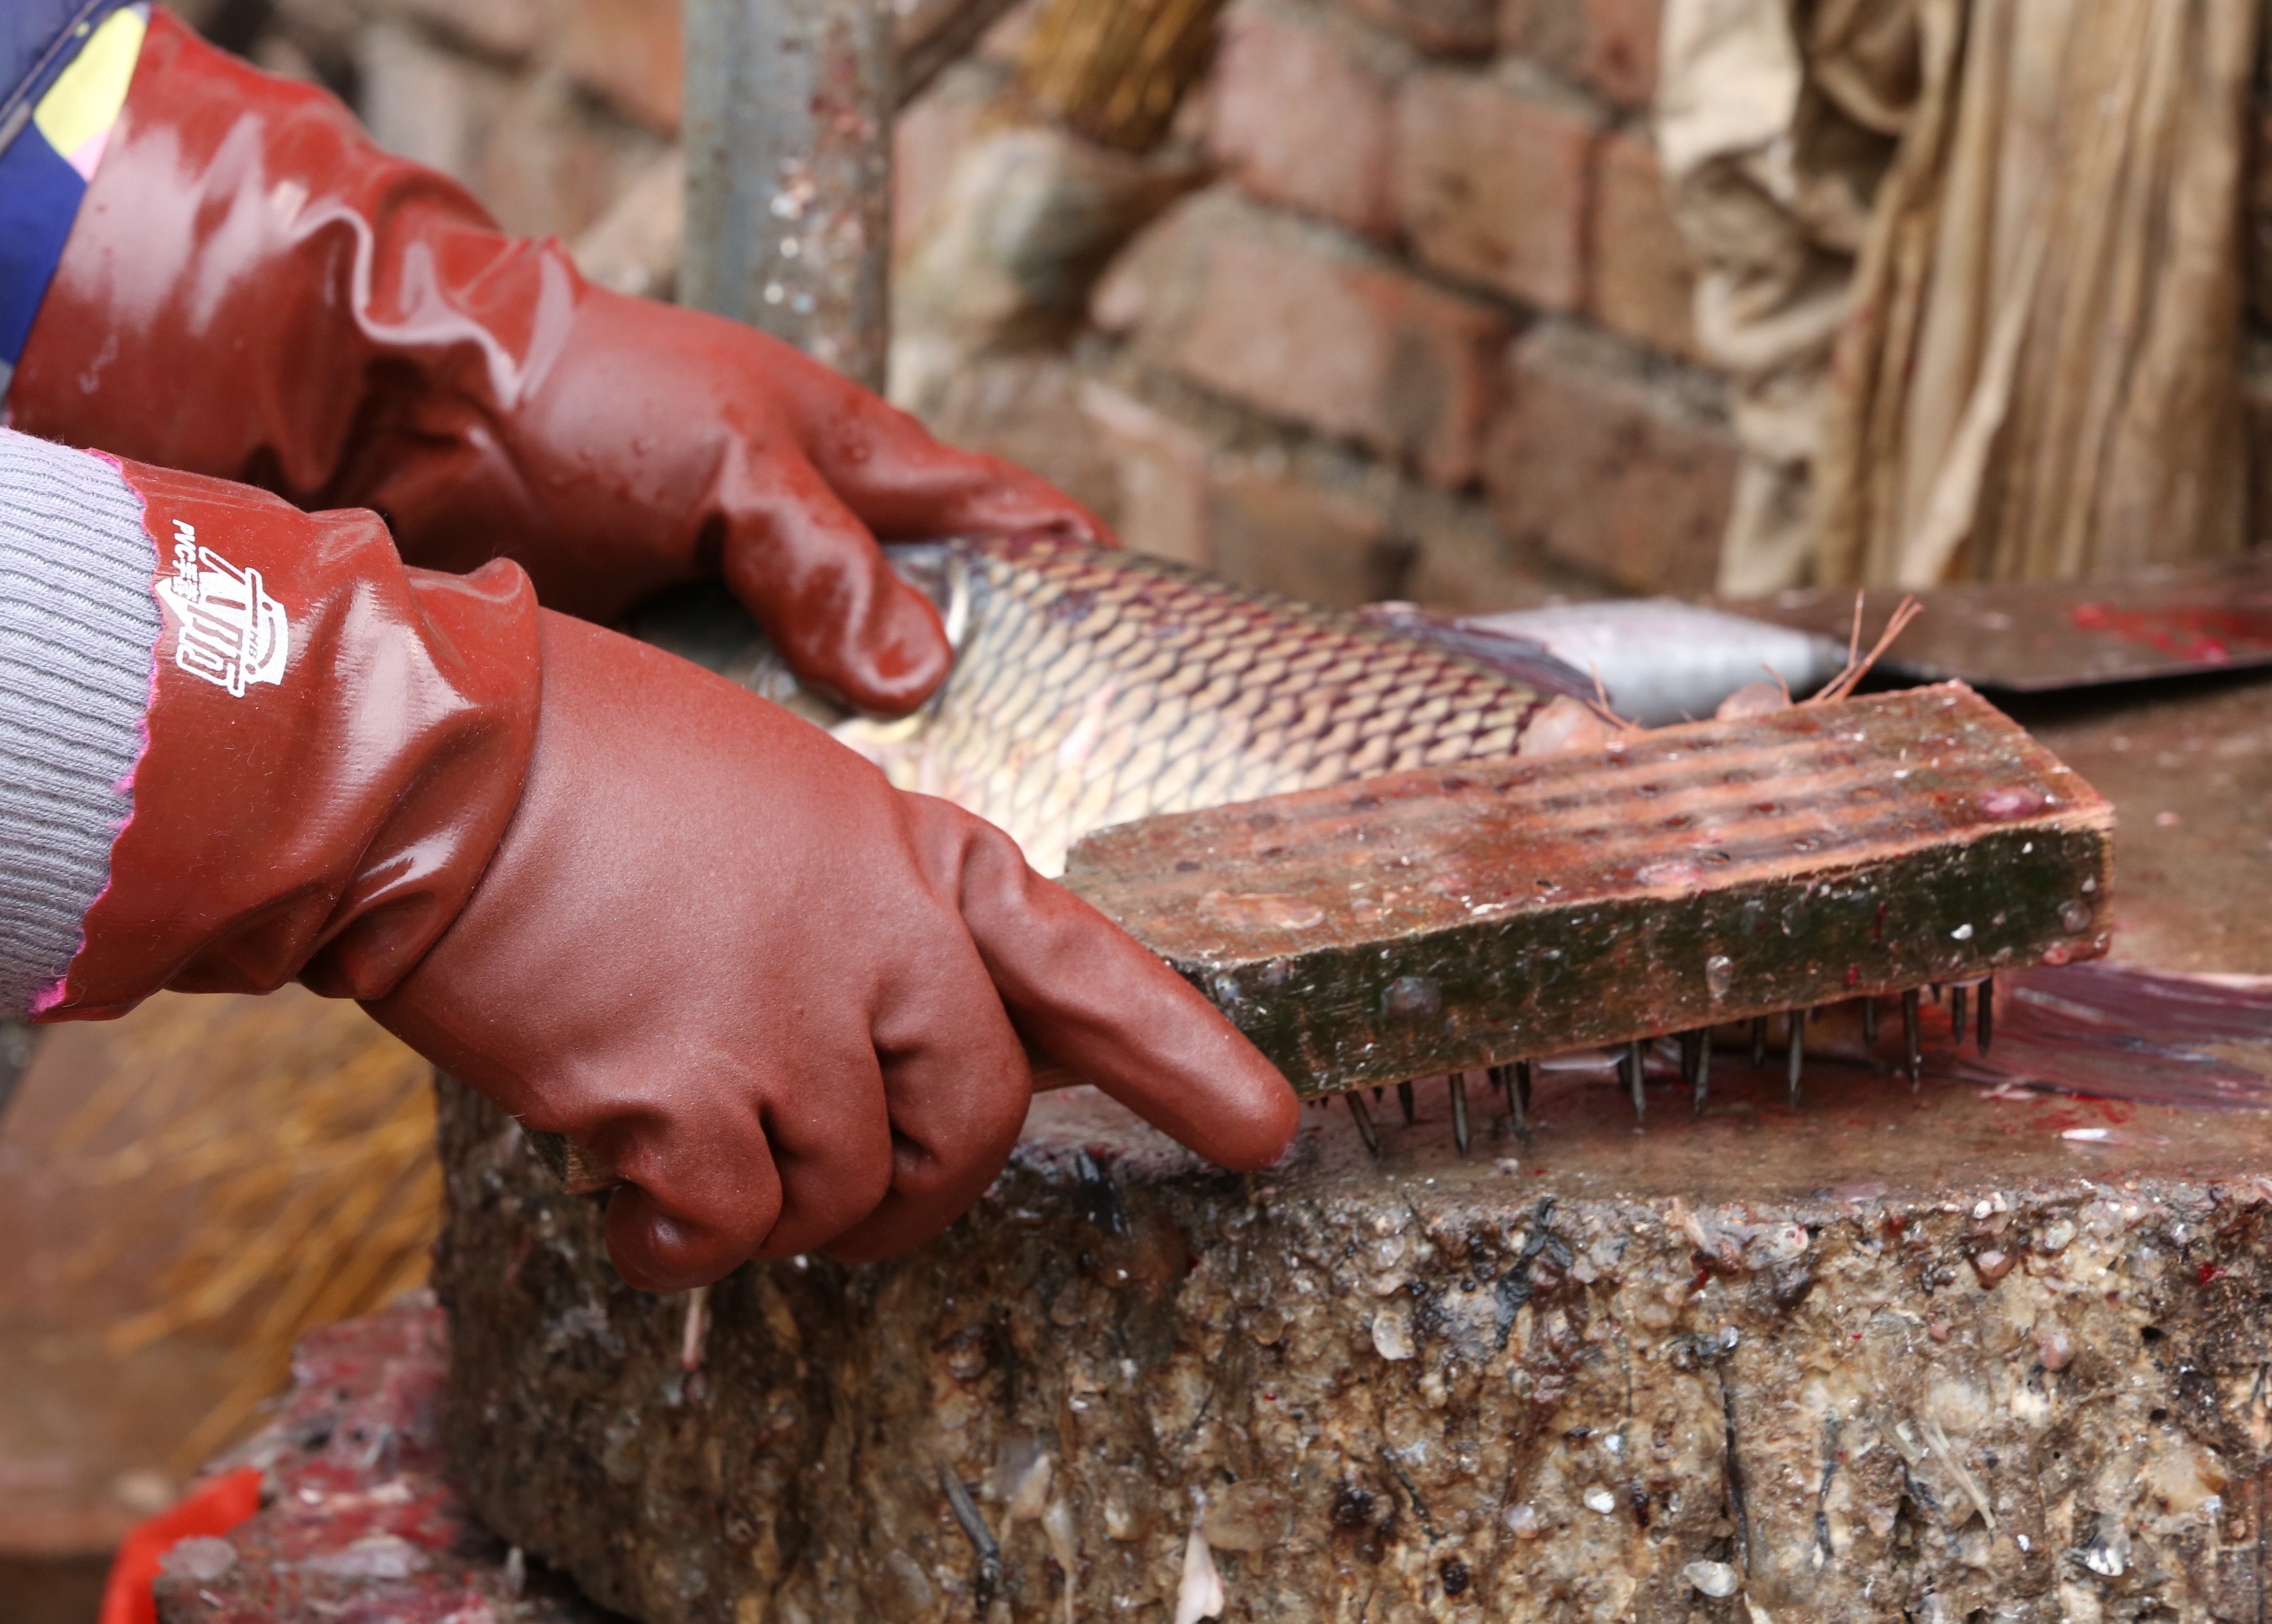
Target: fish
<point>1092,687</point>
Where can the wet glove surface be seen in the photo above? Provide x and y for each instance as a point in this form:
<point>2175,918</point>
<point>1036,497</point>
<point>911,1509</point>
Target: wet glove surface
<point>782,998</point>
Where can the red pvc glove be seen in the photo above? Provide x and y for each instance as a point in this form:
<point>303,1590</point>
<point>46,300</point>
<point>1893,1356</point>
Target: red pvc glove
<point>209,1510</point>
<point>626,899</point>
<point>782,998</point>
<point>252,290</point>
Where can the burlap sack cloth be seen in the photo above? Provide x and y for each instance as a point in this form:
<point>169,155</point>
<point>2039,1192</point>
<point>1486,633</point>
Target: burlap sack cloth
<point>1975,267</point>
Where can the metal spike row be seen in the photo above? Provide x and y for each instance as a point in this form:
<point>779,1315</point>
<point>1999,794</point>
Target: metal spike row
<point>1912,1059</point>
<point>1796,1026</point>
<point>1363,1119</point>
<point>1514,1082</point>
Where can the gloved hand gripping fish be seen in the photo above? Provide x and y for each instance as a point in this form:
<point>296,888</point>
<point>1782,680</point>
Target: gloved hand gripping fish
<point>1367,838</point>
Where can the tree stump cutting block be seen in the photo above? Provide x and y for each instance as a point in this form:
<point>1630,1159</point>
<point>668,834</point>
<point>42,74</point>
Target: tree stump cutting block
<point>1894,1356</point>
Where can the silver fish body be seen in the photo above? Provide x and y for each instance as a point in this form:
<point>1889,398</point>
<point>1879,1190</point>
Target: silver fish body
<point>1092,687</point>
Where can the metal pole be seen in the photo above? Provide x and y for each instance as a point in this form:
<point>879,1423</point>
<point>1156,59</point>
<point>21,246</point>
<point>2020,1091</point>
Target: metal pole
<point>788,167</point>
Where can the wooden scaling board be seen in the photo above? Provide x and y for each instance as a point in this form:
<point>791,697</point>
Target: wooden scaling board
<point>1469,915</point>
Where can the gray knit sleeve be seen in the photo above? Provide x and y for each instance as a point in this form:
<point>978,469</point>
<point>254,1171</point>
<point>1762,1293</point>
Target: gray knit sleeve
<point>78,630</point>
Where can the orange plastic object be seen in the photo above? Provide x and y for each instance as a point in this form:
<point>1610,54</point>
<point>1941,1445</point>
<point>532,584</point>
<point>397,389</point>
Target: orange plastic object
<point>210,1509</point>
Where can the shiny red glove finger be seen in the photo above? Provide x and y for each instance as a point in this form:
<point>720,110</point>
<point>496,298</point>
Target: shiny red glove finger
<point>1077,988</point>
<point>1071,980</point>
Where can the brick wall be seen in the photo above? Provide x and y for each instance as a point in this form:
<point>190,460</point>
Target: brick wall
<point>1436,269</point>
<point>1425,331</point>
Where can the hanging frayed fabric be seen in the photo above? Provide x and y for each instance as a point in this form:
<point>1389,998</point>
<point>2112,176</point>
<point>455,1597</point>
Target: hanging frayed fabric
<point>2030,370</point>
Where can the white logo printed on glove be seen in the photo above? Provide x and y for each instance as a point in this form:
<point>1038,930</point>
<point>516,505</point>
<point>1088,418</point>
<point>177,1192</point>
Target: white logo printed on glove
<point>232,632</point>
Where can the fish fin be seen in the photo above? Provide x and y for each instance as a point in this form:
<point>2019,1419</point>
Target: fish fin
<point>1517,659</point>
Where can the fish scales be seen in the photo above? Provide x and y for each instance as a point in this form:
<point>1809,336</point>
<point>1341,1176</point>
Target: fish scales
<point>1092,687</point>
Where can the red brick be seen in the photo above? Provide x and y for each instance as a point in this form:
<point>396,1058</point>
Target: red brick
<point>1463,564</point>
<point>1625,473</point>
<point>543,171</point>
<point>1608,46</point>
<point>1493,182</point>
<point>1302,118</point>
<point>505,28</point>
<point>1280,526</point>
<point>1644,277</point>
<point>1163,466</point>
<point>1459,27</point>
<point>1550,32</point>
<point>928,139</point>
<point>626,52</point>
<point>2257,248</point>
<point>1620,61</point>
<point>1300,323</point>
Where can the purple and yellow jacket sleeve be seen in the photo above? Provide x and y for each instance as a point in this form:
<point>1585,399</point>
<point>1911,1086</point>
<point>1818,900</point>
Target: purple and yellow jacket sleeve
<point>64,67</point>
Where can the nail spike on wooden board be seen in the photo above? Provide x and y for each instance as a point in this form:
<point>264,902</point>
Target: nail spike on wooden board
<point>1986,1021</point>
<point>1404,1103</point>
<point>1362,1117</point>
<point>1912,1057</point>
<point>1456,1086</point>
<point>1870,1024</point>
<point>1759,1043</point>
<point>1702,1083</point>
<point>1795,1023</point>
<point>1514,1083</point>
<point>1956,1006</point>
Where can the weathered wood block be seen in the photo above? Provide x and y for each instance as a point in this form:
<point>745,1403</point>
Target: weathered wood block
<point>1489,911</point>
<point>1891,1357</point>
